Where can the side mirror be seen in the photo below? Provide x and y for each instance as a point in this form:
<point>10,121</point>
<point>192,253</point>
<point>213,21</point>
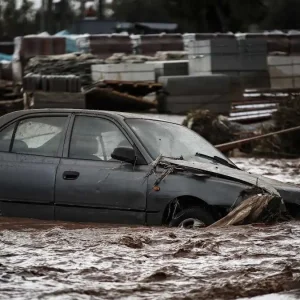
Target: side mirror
<point>124,154</point>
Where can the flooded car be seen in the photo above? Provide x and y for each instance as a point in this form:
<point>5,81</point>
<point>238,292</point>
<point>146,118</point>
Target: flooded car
<point>113,167</point>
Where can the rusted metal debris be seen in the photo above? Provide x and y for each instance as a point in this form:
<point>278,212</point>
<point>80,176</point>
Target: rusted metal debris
<point>110,99</point>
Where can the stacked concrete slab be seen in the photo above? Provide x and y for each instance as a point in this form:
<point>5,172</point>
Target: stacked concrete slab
<point>213,56</point>
<point>253,55</point>
<point>284,71</point>
<point>170,68</point>
<point>123,72</point>
<point>186,93</point>
<point>243,59</point>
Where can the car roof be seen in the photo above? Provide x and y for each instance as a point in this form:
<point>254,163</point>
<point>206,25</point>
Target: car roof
<point>115,114</point>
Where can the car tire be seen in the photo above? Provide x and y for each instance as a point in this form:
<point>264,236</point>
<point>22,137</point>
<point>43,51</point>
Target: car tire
<point>193,217</point>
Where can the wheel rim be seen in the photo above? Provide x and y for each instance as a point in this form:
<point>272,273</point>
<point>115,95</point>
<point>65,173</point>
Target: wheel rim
<point>191,223</point>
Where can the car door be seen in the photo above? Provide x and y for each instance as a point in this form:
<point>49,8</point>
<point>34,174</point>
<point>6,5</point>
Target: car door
<point>90,185</point>
<point>30,150</point>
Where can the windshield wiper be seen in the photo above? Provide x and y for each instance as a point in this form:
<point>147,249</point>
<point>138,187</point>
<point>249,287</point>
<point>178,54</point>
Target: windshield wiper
<point>217,159</point>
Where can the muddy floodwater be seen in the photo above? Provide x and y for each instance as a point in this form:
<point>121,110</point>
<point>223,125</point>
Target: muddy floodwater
<point>51,260</point>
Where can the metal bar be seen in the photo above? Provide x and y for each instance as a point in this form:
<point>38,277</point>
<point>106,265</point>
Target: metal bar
<point>232,145</point>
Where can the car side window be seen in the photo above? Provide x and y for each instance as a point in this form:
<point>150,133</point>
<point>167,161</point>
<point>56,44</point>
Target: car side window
<point>39,136</point>
<point>5,138</point>
<point>95,139</point>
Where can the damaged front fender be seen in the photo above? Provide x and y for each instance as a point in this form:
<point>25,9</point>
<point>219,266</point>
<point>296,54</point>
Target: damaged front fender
<point>211,190</point>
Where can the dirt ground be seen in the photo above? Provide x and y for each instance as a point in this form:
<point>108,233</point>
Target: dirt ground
<point>49,260</point>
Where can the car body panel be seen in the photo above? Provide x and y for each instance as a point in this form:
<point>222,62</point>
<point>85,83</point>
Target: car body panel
<point>27,185</point>
<point>114,191</point>
<point>209,189</point>
<point>225,171</point>
<point>27,181</point>
<point>212,190</point>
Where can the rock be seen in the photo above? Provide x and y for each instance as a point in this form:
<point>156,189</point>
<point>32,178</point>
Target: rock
<point>131,242</point>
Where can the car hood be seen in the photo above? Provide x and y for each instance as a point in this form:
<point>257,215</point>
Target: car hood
<point>270,185</point>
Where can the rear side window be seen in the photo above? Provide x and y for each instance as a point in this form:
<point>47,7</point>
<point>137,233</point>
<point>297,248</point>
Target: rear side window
<point>39,136</point>
<point>95,139</point>
<point>5,138</point>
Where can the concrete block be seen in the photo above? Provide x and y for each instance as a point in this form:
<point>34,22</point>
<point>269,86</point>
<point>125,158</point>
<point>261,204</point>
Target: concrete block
<point>282,83</point>
<point>297,82</point>
<point>196,85</point>
<point>274,60</point>
<point>17,71</point>
<point>220,104</point>
<point>215,63</point>
<point>254,62</point>
<point>296,69</point>
<point>255,79</point>
<point>253,46</point>
<point>295,59</point>
<point>281,71</point>
<point>170,68</point>
<point>123,72</point>
<point>213,46</point>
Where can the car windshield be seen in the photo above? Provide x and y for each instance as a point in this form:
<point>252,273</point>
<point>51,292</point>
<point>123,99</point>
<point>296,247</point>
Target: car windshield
<point>173,140</point>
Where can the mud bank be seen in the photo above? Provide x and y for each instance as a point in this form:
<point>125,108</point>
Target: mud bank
<point>51,260</point>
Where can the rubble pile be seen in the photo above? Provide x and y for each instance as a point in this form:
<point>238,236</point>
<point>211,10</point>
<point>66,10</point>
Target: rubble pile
<point>171,55</point>
<point>117,58</point>
<point>66,64</point>
<point>10,97</point>
<point>217,129</point>
<point>79,64</point>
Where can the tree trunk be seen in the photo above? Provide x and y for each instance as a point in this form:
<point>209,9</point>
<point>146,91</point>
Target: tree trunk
<point>222,18</point>
<point>82,9</point>
<point>63,14</point>
<point>100,9</point>
<point>49,24</point>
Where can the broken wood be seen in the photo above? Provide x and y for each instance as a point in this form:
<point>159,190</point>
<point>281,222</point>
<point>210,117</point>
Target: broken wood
<point>256,209</point>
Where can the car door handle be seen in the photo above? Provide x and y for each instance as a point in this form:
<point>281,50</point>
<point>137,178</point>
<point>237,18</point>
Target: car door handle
<point>70,175</point>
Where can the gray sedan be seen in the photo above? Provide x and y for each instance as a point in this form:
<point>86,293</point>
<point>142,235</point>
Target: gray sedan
<point>110,167</point>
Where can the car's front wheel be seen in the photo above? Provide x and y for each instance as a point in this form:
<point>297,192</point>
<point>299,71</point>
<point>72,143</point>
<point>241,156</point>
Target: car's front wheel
<point>193,217</point>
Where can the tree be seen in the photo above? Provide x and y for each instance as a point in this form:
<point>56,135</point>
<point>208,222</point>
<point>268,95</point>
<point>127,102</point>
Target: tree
<point>100,9</point>
<point>140,11</point>
<point>17,21</point>
<point>194,15</point>
<point>283,14</point>
<point>216,15</point>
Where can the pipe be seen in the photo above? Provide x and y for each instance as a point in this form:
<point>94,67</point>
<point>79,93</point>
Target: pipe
<point>235,144</point>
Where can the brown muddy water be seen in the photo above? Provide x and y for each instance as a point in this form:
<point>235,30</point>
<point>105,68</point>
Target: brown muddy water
<point>55,260</point>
